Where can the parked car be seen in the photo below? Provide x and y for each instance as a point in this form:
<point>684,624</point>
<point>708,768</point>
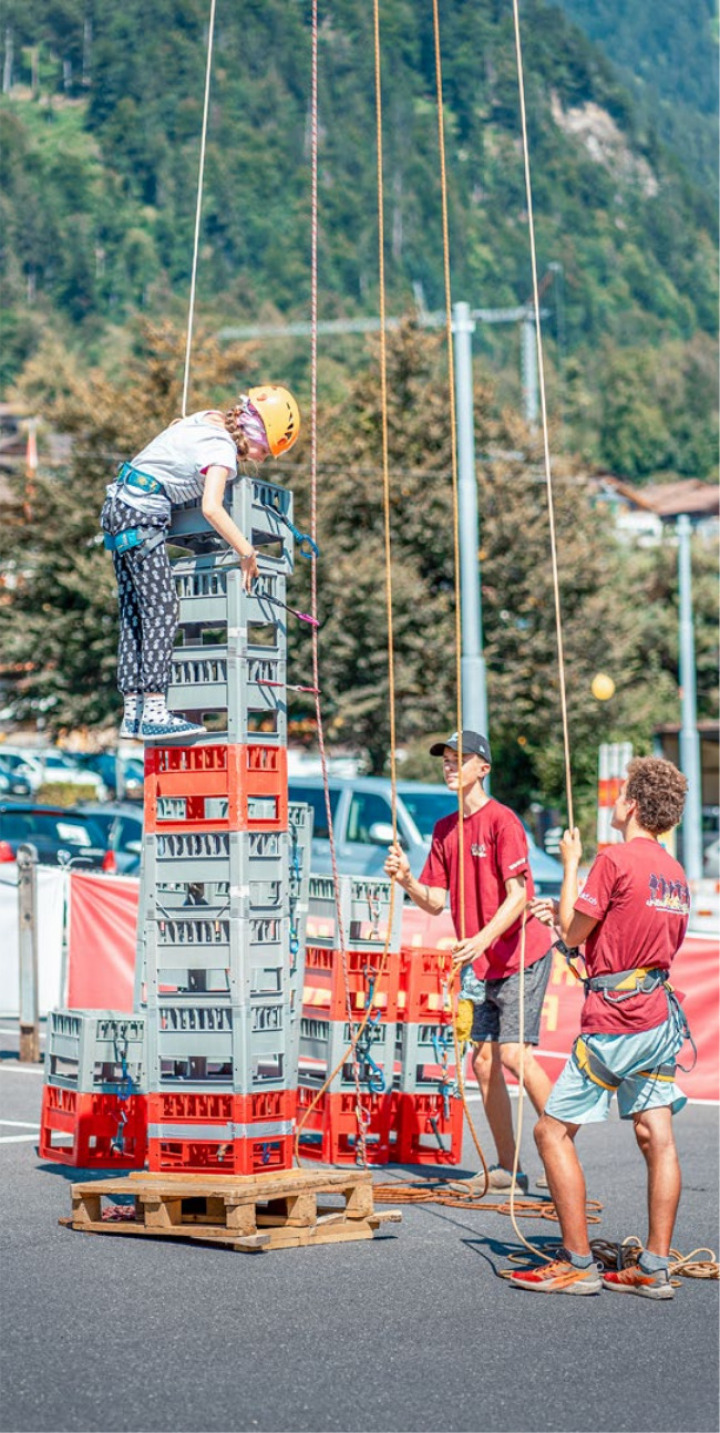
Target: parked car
<point>60,836</point>
<point>50,764</point>
<point>362,822</point>
<point>121,823</point>
<point>105,765</point>
<point>12,781</point>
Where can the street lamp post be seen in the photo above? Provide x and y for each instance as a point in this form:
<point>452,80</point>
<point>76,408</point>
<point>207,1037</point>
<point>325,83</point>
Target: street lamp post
<point>689,738</point>
<point>474,687</point>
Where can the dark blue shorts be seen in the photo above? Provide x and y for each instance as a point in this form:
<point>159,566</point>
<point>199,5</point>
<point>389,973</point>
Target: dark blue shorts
<point>498,1017</point>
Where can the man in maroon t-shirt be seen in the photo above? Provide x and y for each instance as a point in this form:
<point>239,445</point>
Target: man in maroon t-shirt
<point>497,885</point>
<point>632,916</point>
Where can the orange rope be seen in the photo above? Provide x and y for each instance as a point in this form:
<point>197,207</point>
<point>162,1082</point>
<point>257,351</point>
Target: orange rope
<point>543,408</point>
<point>380,973</point>
<point>198,210</point>
<point>459,1055</point>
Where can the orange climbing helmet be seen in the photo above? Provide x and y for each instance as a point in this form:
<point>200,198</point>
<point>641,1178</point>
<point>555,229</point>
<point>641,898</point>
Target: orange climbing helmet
<point>279,413</point>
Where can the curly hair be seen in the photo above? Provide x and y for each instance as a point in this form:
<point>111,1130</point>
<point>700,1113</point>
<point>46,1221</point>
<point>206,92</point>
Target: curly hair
<point>234,427</point>
<point>659,790</point>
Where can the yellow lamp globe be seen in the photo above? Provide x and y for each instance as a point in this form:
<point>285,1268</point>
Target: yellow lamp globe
<point>603,687</point>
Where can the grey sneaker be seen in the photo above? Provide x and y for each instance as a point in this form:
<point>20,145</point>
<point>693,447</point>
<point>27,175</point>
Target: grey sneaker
<point>501,1179</point>
<point>559,1277</point>
<point>636,1280</point>
<point>130,729</point>
<point>172,729</point>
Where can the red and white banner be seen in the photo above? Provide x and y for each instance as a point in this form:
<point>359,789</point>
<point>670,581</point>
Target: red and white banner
<point>51,884</point>
<point>103,919</point>
<point>101,941</point>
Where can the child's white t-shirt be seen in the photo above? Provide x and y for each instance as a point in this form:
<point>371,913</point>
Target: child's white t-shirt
<point>179,458</point>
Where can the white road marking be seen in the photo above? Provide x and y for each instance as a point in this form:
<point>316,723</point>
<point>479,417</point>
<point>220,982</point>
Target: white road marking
<point>22,1124</point>
<point>18,1139</point>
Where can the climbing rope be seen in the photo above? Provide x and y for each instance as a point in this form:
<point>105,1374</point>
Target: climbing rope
<point>360,1035</point>
<point>458,1194</point>
<point>198,210</point>
<point>314,229</point>
<point>459,1054</point>
<point>543,410</point>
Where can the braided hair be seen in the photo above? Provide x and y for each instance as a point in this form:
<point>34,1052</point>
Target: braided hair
<point>233,422</point>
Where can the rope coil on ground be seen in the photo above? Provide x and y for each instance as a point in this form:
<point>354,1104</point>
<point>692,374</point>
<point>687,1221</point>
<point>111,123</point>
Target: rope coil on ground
<point>459,1194</point>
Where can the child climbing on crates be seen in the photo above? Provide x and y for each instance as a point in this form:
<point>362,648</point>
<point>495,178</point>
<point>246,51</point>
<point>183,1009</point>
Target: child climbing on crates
<point>194,458</point>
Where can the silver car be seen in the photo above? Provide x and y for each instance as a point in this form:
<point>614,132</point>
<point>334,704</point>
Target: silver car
<point>362,823</point>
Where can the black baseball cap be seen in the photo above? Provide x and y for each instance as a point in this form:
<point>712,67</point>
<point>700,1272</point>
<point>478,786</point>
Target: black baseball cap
<point>473,744</point>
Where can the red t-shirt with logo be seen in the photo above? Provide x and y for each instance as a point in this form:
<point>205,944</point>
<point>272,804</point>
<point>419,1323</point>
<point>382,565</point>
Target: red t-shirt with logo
<point>495,849</point>
<point>640,898</point>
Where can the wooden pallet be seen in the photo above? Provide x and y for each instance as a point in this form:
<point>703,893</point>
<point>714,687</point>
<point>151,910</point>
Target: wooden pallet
<point>247,1212</point>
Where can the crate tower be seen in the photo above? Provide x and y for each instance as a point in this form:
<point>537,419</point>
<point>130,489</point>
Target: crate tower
<point>203,1076</point>
<point>226,863</point>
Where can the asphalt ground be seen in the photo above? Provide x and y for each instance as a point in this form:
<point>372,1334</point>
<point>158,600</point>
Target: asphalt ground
<point>413,1331</point>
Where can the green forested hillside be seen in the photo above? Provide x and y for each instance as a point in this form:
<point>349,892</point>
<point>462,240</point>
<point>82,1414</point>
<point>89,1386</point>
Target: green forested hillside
<point>667,53</point>
<point>99,138</point>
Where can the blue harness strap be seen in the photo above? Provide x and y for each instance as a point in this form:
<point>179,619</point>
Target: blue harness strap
<point>145,537</point>
<point>130,477</point>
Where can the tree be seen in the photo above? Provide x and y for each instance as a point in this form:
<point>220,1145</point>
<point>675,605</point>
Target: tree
<point>58,625</point>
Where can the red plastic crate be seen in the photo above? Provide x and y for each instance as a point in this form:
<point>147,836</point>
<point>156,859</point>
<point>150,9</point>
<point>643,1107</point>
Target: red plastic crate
<point>324,991</point>
<point>423,995</point>
<point>104,1131</point>
<point>221,1153</point>
<point>203,1108</point>
<point>198,774</point>
<point>236,1156</point>
<point>330,1133</point>
<point>423,1123</point>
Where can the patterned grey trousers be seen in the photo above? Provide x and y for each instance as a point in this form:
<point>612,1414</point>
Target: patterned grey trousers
<point>147,602</point>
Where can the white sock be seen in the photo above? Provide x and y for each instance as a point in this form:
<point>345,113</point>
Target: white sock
<point>155,711</point>
<point>132,707</point>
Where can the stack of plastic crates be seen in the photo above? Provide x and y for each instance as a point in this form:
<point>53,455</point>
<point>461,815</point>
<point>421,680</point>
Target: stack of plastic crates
<point>223,892</point>
<point>429,1110</point>
<point>366,976</point>
<point>93,1107</point>
<point>225,866</point>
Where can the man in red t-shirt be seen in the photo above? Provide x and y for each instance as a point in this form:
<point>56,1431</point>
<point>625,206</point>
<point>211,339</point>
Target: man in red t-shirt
<point>497,885</point>
<point>632,916</point>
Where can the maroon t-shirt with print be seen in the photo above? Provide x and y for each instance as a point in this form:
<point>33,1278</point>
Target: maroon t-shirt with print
<point>639,896</point>
<point>496,849</point>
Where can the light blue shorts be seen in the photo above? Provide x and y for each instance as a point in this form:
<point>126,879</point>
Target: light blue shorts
<point>577,1100</point>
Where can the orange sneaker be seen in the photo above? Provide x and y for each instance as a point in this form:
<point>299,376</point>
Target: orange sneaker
<point>638,1281</point>
<point>559,1277</point>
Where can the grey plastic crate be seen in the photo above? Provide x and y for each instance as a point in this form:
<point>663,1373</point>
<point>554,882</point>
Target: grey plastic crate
<point>211,594</point>
<point>300,824</point>
<point>212,899</point>
<point>213,1045</point>
<point>96,1050</point>
<point>365,912</point>
<point>237,960</point>
<point>425,1058</point>
<point>253,505</point>
<point>238,858</point>
<point>322,913</point>
<point>248,693</point>
<point>323,1042</point>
